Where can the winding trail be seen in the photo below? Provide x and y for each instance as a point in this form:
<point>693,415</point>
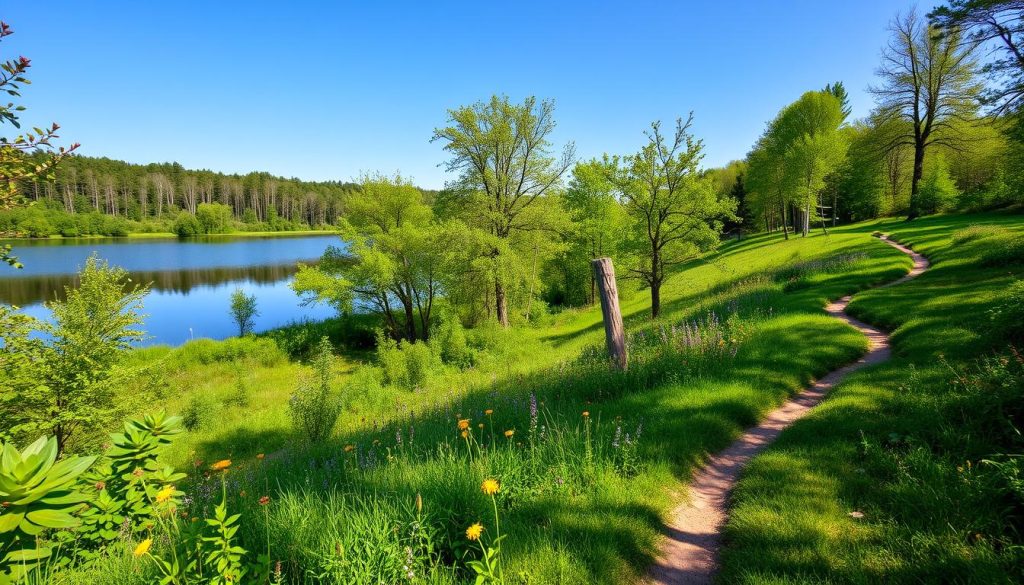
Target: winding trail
<point>689,553</point>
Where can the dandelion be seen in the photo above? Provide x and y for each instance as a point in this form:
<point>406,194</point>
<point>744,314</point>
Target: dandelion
<point>509,433</point>
<point>464,434</point>
<point>164,494</point>
<point>350,448</point>
<point>474,531</point>
<point>143,547</point>
<point>464,424</point>
<point>221,465</point>
<point>586,414</point>
<point>480,426</point>
<point>264,500</point>
<point>490,487</point>
<point>260,456</point>
<point>489,411</point>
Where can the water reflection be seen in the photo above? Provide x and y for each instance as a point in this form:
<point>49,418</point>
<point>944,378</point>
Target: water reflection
<point>192,280</point>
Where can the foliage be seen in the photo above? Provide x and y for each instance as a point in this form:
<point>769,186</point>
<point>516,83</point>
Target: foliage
<point>502,153</point>
<point>938,192</point>
<point>186,225</point>
<point>1008,316</point>
<point>76,368</point>
<point>674,213</point>
<point>215,218</point>
<point>17,162</point>
<point>38,493</point>
<point>243,311</point>
<point>315,406</point>
<point>406,365</point>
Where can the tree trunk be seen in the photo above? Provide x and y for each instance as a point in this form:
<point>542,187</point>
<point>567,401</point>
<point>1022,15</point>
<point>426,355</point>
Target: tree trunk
<point>915,181</point>
<point>785,228</point>
<point>615,335</point>
<point>500,303</point>
<point>655,299</point>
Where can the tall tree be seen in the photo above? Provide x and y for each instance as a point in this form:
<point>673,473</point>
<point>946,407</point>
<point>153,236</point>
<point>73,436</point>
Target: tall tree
<point>674,210</point>
<point>996,23</point>
<point>503,155</point>
<point>927,79</point>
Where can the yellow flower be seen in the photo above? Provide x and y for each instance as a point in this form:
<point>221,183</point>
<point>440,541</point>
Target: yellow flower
<point>480,426</point>
<point>143,547</point>
<point>350,448</point>
<point>489,412</point>
<point>260,456</point>
<point>463,424</point>
<point>221,465</point>
<point>474,531</point>
<point>489,487</point>
<point>509,433</point>
<point>164,494</point>
<point>586,414</point>
<point>464,434</point>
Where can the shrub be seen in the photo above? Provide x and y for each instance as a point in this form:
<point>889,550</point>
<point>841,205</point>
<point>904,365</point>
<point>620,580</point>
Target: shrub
<point>449,341</point>
<point>200,412</point>
<point>406,365</point>
<point>938,191</point>
<point>186,225</point>
<point>208,351</point>
<point>240,393</point>
<point>314,406</point>
<point>214,218</point>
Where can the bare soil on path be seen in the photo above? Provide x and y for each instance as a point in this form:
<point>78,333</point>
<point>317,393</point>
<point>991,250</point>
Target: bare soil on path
<point>689,552</point>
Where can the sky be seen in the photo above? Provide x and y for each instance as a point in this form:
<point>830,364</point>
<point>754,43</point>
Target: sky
<point>331,90</point>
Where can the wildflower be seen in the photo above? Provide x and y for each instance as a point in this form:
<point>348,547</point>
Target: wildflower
<point>164,494</point>
<point>463,424</point>
<point>464,434</point>
<point>474,531</point>
<point>489,412</point>
<point>489,487</point>
<point>138,472</point>
<point>509,433</point>
<point>100,486</point>
<point>264,500</point>
<point>480,426</point>
<point>260,456</point>
<point>143,547</point>
<point>419,503</point>
<point>350,448</point>
<point>221,465</point>
<point>586,414</point>
<point>241,494</point>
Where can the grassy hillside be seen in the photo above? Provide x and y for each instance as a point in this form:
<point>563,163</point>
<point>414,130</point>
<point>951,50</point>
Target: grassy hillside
<point>581,496</point>
<point>905,444</point>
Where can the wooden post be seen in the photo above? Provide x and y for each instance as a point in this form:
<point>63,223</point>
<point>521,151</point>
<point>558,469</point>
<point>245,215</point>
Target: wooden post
<point>615,335</point>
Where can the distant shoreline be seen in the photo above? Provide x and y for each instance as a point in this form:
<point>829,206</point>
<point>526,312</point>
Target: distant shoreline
<point>171,235</point>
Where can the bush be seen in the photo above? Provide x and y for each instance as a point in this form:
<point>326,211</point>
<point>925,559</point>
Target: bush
<point>448,341</point>
<point>938,190</point>
<point>214,218</point>
<point>314,406</point>
<point>200,412</point>
<point>406,365</point>
<point>186,225</point>
<point>208,351</point>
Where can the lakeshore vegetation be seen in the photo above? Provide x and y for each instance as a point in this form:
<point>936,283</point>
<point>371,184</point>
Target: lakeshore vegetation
<point>458,420</point>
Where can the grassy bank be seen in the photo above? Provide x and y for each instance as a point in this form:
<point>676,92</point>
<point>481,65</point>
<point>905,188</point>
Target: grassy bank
<point>581,496</point>
<point>887,480</point>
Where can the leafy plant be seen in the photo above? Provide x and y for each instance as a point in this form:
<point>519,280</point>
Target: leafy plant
<point>37,493</point>
<point>314,406</point>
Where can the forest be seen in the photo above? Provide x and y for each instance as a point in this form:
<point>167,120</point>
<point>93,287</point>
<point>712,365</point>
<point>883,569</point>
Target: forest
<point>459,420</point>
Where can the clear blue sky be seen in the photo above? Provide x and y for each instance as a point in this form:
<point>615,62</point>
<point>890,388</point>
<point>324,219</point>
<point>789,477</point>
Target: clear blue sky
<point>327,90</point>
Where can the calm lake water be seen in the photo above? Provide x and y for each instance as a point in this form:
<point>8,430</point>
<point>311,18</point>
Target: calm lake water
<point>191,280</point>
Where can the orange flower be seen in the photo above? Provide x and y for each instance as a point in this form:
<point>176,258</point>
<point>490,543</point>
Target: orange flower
<point>221,465</point>
<point>264,500</point>
<point>490,487</point>
<point>260,456</point>
<point>586,414</point>
<point>463,424</point>
<point>464,434</point>
<point>489,412</point>
<point>509,433</point>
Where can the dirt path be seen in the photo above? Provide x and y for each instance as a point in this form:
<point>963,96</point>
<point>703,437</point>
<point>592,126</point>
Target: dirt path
<point>689,553</point>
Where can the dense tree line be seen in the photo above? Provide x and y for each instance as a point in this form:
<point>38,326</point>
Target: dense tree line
<point>161,190</point>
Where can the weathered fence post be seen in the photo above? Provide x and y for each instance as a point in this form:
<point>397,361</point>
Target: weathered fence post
<point>615,335</point>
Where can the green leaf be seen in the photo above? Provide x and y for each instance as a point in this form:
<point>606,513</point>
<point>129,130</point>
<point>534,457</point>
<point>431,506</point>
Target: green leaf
<point>52,519</point>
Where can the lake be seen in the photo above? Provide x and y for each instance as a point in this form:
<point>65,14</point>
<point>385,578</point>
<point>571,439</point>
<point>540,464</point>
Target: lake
<point>191,280</point>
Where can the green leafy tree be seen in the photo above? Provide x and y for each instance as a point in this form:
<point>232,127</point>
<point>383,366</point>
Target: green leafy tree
<point>938,190</point>
<point>215,218</point>
<point>674,211</point>
<point>397,258</point>
<point>503,156</point>
<point>69,390</point>
<point>928,81</point>
<point>243,311</point>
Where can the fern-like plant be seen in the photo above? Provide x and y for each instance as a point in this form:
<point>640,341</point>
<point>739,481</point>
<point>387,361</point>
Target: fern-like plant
<point>37,493</point>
